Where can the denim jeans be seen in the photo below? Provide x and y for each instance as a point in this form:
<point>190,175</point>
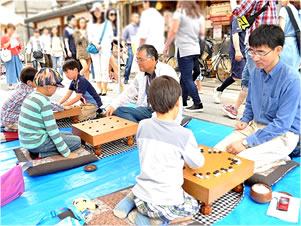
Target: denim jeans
<point>129,62</point>
<point>250,65</point>
<point>186,65</point>
<point>57,63</point>
<point>35,64</point>
<point>48,148</point>
<point>134,114</point>
<point>92,70</point>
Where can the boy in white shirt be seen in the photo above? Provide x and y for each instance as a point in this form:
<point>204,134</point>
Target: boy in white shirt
<point>164,146</point>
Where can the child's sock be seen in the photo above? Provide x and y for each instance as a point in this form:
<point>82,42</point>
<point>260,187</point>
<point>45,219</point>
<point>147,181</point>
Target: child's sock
<point>139,219</point>
<point>123,208</point>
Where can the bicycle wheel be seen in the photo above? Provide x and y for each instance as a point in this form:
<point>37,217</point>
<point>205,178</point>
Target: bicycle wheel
<point>223,68</point>
<point>203,68</point>
<point>172,61</point>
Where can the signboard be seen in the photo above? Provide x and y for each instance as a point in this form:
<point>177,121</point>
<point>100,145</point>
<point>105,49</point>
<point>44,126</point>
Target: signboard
<point>217,31</point>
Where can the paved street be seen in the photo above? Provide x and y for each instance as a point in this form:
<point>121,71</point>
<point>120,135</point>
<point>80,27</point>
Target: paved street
<point>212,112</point>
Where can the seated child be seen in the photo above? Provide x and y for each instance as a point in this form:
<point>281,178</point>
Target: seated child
<point>158,193</point>
<point>38,131</point>
<point>85,92</point>
<point>11,108</point>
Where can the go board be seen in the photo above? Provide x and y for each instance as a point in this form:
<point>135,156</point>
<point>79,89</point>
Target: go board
<point>220,173</point>
<point>104,130</point>
<point>73,112</point>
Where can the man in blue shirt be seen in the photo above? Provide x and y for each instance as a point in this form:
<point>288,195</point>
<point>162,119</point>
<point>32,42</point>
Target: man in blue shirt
<point>130,32</point>
<point>269,129</point>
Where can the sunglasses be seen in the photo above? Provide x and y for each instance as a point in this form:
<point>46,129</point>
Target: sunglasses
<point>112,14</point>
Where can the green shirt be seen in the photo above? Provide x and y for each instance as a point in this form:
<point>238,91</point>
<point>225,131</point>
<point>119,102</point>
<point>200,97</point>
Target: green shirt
<point>36,123</point>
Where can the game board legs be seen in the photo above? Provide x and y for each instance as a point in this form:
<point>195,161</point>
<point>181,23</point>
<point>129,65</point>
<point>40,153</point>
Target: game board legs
<point>206,209</point>
<point>75,119</point>
<point>130,141</point>
<point>238,188</point>
<point>97,150</point>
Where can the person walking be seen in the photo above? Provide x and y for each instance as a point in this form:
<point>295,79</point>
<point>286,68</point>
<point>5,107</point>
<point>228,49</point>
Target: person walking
<point>57,50</point>
<point>99,28</point>
<point>237,58</point>
<point>130,31</point>
<point>81,42</point>
<point>11,41</point>
<point>46,43</point>
<point>290,53</point>
<point>35,48</point>
<point>188,24</point>
<point>151,28</point>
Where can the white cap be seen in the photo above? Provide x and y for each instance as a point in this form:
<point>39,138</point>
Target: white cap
<point>96,5</point>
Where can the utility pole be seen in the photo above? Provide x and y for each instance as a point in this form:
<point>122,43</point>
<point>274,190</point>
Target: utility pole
<point>26,16</point>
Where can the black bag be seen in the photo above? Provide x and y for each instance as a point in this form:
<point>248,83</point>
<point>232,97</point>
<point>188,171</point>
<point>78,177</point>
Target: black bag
<point>206,47</point>
<point>295,25</point>
<point>37,54</point>
<point>245,23</point>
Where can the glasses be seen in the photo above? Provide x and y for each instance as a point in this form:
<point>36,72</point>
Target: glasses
<point>252,53</point>
<point>112,14</point>
<point>140,60</point>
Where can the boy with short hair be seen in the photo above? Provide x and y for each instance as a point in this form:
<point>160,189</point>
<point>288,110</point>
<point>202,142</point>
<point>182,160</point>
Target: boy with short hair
<point>38,131</point>
<point>11,108</point>
<point>85,92</point>
<point>158,193</point>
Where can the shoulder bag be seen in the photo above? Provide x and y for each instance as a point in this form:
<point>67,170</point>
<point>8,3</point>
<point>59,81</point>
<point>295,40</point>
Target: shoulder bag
<point>5,55</point>
<point>91,48</point>
<point>295,25</point>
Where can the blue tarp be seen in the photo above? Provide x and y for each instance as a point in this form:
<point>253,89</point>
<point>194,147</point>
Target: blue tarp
<point>45,193</point>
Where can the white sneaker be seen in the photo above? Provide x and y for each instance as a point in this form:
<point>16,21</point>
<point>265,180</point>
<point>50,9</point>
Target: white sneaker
<point>217,96</point>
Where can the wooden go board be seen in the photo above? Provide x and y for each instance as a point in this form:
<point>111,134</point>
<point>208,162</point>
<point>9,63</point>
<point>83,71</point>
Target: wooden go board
<point>74,112</point>
<point>221,172</point>
<point>104,130</point>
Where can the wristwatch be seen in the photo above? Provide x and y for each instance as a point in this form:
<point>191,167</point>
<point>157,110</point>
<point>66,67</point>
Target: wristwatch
<point>245,143</point>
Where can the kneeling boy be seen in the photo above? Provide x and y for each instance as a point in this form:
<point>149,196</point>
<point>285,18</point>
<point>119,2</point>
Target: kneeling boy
<point>164,146</point>
<point>38,131</point>
<point>85,92</point>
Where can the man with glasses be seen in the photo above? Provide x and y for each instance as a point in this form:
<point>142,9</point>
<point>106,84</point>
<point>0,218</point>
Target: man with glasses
<point>268,131</point>
<point>150,68</point>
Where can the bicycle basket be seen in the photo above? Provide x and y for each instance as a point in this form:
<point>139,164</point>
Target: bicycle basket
<point>206,49</point>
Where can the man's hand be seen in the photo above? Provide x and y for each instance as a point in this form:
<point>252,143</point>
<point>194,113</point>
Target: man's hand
<point>67,107</point>
<point>235,147</point>
<point>69,54</point>
<point>238,56</point>
<point>72,155</point>
<point>110,110</point>
<point>240,126</point>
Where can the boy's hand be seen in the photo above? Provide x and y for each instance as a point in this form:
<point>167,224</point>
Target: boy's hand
<point>67,107</point>
<point>240,126</point>
<point>110,110</point>
<point>72,155</point>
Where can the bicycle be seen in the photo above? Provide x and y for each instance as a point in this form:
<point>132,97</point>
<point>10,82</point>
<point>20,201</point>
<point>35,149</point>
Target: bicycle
<point>220,63</point>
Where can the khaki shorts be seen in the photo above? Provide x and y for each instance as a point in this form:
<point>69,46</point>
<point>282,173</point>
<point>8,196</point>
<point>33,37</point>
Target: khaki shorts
<point>88,111</point>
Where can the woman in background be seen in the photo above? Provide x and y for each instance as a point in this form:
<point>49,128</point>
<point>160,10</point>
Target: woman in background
<point>81,42</point>
<point>11,41</point>
<point>112,17</point>
<point>290,53</point>
<point>96,28</point>
<point>57,50</point>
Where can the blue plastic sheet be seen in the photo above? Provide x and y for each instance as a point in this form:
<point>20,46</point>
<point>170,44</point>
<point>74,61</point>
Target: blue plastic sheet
<point>45,193</point>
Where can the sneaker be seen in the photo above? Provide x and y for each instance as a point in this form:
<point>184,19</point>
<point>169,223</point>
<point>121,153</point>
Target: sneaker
<point>217,96</point>
<point>229,110</point>
<point>195,108</point>
<point>126,82</point>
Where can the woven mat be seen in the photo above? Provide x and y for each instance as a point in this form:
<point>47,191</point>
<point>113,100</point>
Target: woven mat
<point>104,214</point>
